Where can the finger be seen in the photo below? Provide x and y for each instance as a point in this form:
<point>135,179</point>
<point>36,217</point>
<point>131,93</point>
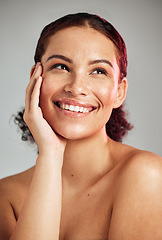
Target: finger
<point>30,87</point>
<point>36,93</point>
<point>37,70</point>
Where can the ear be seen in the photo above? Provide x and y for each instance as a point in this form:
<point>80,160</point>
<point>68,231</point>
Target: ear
<point>121,93</point>
<point>32,70</point>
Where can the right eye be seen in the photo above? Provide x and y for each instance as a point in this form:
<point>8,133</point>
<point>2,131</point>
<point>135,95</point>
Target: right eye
<point>60,66</point>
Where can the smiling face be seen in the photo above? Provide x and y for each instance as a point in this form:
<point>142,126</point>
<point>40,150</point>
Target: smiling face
<point>80,82</point>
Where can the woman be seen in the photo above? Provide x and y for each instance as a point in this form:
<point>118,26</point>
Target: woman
<point>85,183</point>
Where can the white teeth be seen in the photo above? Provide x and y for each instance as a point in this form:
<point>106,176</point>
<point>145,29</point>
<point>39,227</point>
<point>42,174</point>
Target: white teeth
<point>74,108</point>
<point>71,108</point>
<point>81,109</point>
<point>65,107</point>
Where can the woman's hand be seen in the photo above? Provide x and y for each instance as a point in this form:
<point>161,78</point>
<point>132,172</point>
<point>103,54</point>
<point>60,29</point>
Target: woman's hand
<point>45,137</point>
<point>44,196</point>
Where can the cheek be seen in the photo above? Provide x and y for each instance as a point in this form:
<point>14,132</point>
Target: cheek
<point>48,89</point>
<point>46,93</point>
<point>106,93</point>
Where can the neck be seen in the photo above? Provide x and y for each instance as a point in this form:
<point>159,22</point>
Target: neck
<point>86,160</point>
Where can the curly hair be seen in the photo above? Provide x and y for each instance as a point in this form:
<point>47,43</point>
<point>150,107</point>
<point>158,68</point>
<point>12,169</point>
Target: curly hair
<point>117,126</point>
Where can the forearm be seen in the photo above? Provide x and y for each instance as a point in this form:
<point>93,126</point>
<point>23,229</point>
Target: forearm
<point>40,215</point>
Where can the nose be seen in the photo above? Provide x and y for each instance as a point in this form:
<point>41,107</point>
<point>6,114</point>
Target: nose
<point>77,85</point>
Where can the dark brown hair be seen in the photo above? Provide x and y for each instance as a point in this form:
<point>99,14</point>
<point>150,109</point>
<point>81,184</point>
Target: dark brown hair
<point>117,126</point>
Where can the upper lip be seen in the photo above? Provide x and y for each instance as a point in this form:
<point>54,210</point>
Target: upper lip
<point>73,102</point>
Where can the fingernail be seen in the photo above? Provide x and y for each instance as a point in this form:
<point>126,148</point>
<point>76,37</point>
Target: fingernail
<point>38,64</point>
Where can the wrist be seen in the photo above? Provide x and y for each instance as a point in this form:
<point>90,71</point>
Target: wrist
<point>50,157</point>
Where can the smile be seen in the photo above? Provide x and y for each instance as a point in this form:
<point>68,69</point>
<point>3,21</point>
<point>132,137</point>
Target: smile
<point>74,108</point>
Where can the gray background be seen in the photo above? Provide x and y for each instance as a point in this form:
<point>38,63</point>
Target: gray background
<point>140,24</point>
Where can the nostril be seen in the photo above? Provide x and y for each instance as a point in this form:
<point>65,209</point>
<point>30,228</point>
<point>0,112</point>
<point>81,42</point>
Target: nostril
<point>76,89</point>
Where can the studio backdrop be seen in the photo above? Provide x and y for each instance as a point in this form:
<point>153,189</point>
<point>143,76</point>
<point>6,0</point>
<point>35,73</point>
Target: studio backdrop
<point>139,23</point>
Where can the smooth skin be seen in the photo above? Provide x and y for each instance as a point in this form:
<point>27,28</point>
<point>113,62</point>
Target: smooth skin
<point>84,186</point>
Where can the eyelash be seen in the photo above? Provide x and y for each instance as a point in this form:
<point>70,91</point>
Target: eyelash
<point>64,67</point>
<point>103,71</point>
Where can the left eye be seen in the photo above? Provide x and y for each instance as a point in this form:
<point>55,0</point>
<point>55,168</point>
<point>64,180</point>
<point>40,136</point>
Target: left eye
<point>60,66</point>
<point>100,71</point>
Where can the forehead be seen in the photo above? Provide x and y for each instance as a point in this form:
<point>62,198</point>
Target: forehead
<point>81,41</point>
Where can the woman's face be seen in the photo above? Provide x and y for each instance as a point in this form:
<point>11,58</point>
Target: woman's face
<point>80,82</point>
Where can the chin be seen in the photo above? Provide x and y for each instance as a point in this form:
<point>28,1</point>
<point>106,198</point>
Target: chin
<point>72,134</point>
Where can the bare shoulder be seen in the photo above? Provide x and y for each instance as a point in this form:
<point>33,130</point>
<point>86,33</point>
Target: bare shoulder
<point>130,162</point>
<point>142,165</point>
<point>20,180</point>
<point>141,170</point>
<point>13,188</point>
<point>12,193</point>
<point>137,210</point>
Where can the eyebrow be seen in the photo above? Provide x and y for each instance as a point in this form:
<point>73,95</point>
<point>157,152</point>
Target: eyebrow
<point>60,57</point>
<point>70,61</point>
<point>101,61</point>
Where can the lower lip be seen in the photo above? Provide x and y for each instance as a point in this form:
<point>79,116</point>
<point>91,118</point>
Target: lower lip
<point>72,114</point>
